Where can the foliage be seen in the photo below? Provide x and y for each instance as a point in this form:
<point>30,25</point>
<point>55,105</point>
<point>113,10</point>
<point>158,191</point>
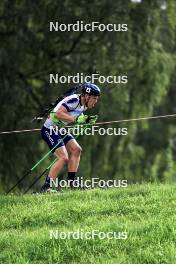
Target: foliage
<point>146,53</point>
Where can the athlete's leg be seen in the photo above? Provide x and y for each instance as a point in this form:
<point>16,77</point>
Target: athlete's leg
<point>74,153</point>
<point>62,155</point>
<point>60,152</point>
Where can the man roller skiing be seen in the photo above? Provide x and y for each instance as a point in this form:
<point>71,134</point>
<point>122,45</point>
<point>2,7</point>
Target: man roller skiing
<point>68,151</point>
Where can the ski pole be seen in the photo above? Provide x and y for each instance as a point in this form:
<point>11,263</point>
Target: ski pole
<point>31,170</point>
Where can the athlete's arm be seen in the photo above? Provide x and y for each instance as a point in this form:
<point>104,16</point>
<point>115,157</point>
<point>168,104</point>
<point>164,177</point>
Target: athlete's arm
<point>62,115</point>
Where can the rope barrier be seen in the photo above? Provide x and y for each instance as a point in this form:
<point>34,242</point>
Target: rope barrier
<point>97,124</point>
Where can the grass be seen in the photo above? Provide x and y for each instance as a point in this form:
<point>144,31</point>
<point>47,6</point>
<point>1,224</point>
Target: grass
<point>146,212</point>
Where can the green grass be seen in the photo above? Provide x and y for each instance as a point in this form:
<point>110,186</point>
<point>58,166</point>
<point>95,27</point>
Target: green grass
<point>146,212</point>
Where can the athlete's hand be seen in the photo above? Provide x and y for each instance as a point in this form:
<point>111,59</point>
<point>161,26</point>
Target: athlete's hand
<point>82,119</point>
<point>85,119</point>
<point>92,119</point>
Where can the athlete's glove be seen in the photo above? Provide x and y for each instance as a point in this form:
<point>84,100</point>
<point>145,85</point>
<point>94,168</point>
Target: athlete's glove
<point>82,119</point>
<point>92,119</point>
<point>85,119</point>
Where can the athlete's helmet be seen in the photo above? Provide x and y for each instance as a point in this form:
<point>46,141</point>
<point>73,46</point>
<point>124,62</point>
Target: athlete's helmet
<point>91,89</point>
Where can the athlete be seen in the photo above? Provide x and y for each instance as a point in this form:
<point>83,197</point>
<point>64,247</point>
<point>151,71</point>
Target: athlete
<point>65,147</point>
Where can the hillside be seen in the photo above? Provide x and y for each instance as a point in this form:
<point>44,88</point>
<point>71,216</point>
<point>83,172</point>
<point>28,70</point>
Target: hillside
<point>146,212</point>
